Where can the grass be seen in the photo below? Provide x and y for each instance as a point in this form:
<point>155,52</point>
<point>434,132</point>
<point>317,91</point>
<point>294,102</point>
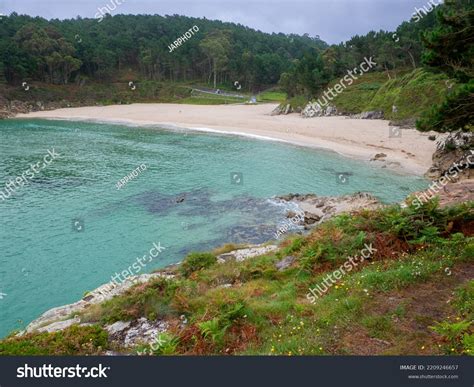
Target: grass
<point>413,92</point>
<point>271,96</point>
<point>91,340</point>
<point>393,303</point>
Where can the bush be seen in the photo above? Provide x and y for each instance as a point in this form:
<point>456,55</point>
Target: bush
<point>75,340</point>
<point>197,261</point>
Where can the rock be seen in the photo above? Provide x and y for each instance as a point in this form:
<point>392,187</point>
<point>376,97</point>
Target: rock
<point>313,109</point>
<point>310,218</point>
<point>287,109</point>
<point>117,327</point>
<point>244,254</point>
<point>102,293</point>
<point>131,333</point>
<point>451,194</point>
<point>60,325</point>
<point>379,156</point>
<point>144,332</point>
<point>452,148</point>
<point>372,115</point>
<point>277,111</point>
<point>318,209</point>
<point>285,263</point>
<point>330,111</point>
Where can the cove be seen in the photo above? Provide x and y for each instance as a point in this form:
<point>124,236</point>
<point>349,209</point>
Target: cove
<point>69,230</point>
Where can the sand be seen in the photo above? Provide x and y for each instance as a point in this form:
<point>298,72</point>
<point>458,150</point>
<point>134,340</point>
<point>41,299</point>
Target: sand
<point>362,139</point>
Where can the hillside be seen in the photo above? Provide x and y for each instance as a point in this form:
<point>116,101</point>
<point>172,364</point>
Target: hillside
<point>412,93</point>
<point>412,295</point>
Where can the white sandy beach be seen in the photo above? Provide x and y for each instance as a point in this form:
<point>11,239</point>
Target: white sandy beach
<point>351,137</point>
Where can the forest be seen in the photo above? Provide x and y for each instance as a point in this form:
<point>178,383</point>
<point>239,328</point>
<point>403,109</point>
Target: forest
<point>439,39</point>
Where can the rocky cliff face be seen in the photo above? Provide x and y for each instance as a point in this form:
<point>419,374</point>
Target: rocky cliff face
<point>453,148</point>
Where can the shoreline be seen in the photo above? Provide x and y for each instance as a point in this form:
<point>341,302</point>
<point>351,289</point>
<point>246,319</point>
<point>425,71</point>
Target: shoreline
<point>353,138</point>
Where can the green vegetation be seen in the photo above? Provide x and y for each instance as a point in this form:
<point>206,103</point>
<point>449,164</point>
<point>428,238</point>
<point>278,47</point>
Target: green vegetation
<point>197,261</point>
<point>393,303</point>
<point>450,48</point>
<point>123,48</point>
<point>90,340</point>
<point>271,96</point>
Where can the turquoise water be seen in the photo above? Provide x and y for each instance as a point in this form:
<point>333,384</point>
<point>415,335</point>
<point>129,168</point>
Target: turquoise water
<point>185,200</point>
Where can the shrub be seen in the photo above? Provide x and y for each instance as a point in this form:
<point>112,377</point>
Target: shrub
<point>197,261</point>
<point>75,340</point>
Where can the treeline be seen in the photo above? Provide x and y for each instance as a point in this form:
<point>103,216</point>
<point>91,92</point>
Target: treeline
<point>391,51</point>
<point>440,39</point>
<point>59,51</point>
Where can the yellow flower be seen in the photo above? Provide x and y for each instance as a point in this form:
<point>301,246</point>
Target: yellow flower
<point>423,347</point>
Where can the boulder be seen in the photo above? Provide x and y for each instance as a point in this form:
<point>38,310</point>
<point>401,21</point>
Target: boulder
<point>379,156</point>
<point>285,263</point>
<point>372,115</point>
<point>452,148</point>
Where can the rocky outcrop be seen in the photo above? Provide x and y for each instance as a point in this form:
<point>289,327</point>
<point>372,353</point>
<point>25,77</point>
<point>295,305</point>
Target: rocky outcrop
<point>247,253</point>
<point>282,109</point>
<point>62,317</point>
<point>318,209</point>
<point>371,115</point>
<point>313,109</point>
<point>11,108</point>
<point>453,148</point>
<point>129,334</point>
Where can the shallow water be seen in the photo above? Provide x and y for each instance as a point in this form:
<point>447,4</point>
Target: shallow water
<point>188,198</point>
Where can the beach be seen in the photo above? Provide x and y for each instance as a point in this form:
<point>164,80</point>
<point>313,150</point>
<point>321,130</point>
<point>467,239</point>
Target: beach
<point>411,152</point>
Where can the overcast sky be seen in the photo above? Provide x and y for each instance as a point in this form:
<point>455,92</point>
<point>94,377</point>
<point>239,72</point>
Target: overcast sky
<point>333,20</point>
